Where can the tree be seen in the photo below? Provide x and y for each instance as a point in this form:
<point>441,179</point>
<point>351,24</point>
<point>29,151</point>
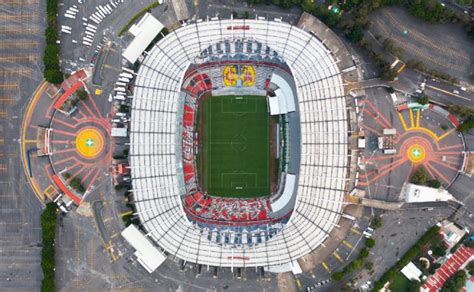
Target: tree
<point>48,226</point>
<point>53,76</point>
<point>414,285</point>
<point>469,243</point>
<point>376,222</point>
<point>455,282</point>
<point>439,251</point>
<point>77,185</point>
<point>337,276</point>
<point>388,73</point>
<point>364,253</point>
<point>461,110</point>
<point>82,94</point>
<point>423,99</point>
<point>433,183</point>
<point>370,242</point>
<point>388,45</point>
<point>356,34</point>
<point>467,124</point>
<point>470,268</point>
<point>421,176</point>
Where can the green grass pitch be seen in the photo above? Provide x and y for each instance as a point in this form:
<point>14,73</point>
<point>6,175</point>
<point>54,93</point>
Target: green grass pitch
<point>235,149</point>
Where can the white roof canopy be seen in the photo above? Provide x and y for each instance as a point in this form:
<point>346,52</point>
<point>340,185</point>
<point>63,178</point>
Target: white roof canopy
<point>147,254</point>
<point>411,272</point>
<point>284,101</point>
<point>144,31</point>
<point>287,193</point>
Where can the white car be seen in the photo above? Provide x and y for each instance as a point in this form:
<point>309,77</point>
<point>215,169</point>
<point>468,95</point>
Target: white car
<point>368,232</point>
<point>455,92</point>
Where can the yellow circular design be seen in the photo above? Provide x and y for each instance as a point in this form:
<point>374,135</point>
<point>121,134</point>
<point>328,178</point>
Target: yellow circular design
<point>416,153</point>
<point>89,142</point>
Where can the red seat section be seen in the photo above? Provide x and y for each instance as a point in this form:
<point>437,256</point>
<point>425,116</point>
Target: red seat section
<point>227,210</point>
<point>188,116</point>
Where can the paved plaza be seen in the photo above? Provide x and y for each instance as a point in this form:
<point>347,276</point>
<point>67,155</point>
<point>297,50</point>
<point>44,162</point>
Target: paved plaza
<point>424,137</point>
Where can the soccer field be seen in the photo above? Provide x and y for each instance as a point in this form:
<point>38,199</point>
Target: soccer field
<point>235,150</point>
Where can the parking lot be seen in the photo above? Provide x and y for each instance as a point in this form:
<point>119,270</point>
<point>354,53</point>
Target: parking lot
<point>444,47</point>
<point>21,45</point>
<point>74,52</point>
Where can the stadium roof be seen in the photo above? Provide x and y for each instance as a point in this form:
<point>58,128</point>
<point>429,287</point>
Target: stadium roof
<point>154,156</point>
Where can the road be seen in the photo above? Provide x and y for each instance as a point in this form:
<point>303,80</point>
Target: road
<point>438,90</point>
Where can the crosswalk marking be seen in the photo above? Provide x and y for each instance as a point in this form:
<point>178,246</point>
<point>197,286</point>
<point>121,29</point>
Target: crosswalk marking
<point>325,266</point>
<point>337,256</point>
<point>347,244</point>
<point>353,229</point>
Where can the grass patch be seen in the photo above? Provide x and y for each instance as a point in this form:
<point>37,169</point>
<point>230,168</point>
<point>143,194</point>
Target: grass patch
<point>48,226</point>
<point>136,17</point>
<point>235,148</point>
<point>400,283</point>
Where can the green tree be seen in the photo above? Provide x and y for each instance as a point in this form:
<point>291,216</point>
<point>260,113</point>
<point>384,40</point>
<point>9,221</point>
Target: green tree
<point>388,73</point>
<point>82,94</point>
<point>421,176</point>
<point>470,268</point>
<point>423,99</point>
<point>356,34</point>
<point>439,251</point>
<point>48,227</point>
<point>337,276</point>
<point>466,124</point>
<point>364,253</point>
<point>455,282</point>
<point>414,285</point>
<point>376,222</point>
<point>370,242</point>
<point>461,110</point>
<point>433,183</point>
<point>469,243</point>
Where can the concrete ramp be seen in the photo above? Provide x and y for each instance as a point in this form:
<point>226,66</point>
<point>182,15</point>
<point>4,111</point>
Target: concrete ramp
<point>180,9</point>
<point>391,206</point>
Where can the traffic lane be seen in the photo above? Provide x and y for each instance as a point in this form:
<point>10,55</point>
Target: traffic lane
<point>462,188</point>
<point>448,92</point>
<point>438,91</point>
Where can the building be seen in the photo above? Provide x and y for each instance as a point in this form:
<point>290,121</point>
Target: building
<point>182,67</point>
<point>418,194</point>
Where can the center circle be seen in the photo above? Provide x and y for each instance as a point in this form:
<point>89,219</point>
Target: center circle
<point>416,153</point>
<point>89,142</point>
<point>239,143</point>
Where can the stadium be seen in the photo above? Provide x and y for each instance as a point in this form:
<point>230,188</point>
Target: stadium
<point>239,143</point>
